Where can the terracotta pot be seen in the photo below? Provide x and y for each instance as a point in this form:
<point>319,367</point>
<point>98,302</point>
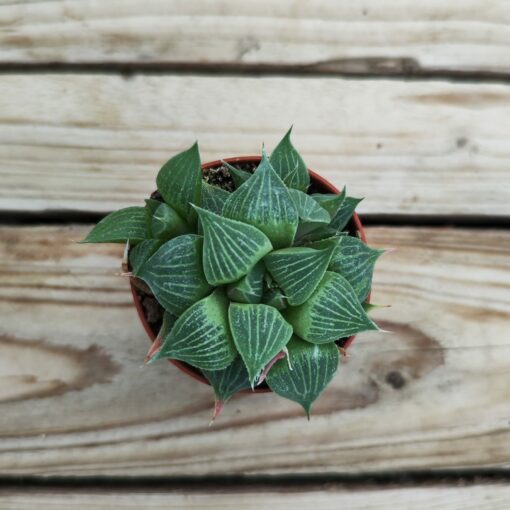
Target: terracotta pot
<point>323,186</point>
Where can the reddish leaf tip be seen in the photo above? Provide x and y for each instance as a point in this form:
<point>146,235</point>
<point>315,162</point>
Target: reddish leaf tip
<point>218,407</point>
<point>264,373</point>
<point>154,349</point>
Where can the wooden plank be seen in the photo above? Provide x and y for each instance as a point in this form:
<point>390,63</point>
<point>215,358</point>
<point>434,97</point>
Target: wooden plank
<point>369,36</point>
<point>77,400</point>
<point>96,142</point>
<point>492,496</point>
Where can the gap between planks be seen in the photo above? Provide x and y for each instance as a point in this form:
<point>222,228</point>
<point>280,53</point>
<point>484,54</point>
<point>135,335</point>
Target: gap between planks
<point>392,69</point>
<point>479,496</point>
<point>69,217</point>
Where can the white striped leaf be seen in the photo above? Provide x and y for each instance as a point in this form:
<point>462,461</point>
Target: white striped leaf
<point>175,275</point>
<point>128,224</point>
<point>231,248</point>
<point>260,333</point>
<point>313,368</point>
<point>289,165</point>
<point>180,182</point>
<point>249,288</point>
<point>332,312</point>
<point>201,335</point>
<point>355,261</point>
<point>213,197</point>
<point>166,223</point>
<point>308,209</point>
<point>344,213</point>
<point>228,381</point>
<point>299,270</point>
<point>264,202</point>
<point>330,201</point>
<point>142,252</point>
<point>311,214</point>
<point>238,176</point>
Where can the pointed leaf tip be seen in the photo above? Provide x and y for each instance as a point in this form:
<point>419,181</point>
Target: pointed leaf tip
<point>180,181</point>
<point>260,333</point>
<point>228,381</point>
<point>128,224</point>
<point>289,164</point>
<point>153,350</point>
<point>313,368</point>
<point>218,407</point>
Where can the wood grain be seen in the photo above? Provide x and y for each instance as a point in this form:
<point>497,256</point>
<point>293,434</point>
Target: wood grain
<point>370,36</point>
<point>493,496</point>
<point>77,400</point>
<point>96,142</point>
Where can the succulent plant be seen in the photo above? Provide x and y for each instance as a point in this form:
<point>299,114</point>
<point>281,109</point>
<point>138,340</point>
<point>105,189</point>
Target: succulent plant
<point>257,284</point>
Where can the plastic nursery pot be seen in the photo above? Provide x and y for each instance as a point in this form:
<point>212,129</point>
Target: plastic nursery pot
<point>320,185</point>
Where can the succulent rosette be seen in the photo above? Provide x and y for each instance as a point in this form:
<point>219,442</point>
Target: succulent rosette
<point>258,284</point>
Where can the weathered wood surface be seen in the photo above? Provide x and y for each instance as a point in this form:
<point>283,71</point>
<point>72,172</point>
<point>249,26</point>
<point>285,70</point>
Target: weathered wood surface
<point>493,496</point>
<point>96,142</point>
<point>77,400</point>
<point>369,36</point>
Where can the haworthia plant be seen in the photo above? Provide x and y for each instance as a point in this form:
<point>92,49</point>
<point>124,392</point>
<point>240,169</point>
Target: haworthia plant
<point>256,285</point>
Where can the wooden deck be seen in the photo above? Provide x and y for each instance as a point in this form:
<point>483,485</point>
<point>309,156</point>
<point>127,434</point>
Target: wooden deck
<point>406,103</point>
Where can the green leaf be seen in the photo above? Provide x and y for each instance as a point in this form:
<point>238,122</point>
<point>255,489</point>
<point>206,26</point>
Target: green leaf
<point>213,197</point>
<point>151,205</point>
<point>320,234</point>
<point>298,271</point>
<point>238,176</point>
<point>168,323</point>
<point>166,223</point>
<point>308,209</point>
<point>311,214</point>
<point>228,381</point>
<point>231,248</point>
<point>264,202</point>
<point>249,288</point>
<point>175,275</point>
<point>166,326</point>
<point>129,224</point>
<point>142,252</point>
<point>313,367</point>
<point>260,333</point>
<point>332,312</point>
<point>355,261</point>
<point>330,201</point>
<point>275,298</point>
<point>201,335</point>
<point>344,213</point>
<point>289,165</point>
<point>180,181</point>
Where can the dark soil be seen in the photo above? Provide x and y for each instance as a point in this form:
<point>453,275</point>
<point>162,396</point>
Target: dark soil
<point>220,176</point>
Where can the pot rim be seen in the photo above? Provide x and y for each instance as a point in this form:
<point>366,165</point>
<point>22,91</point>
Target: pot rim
<point>188,369</point>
